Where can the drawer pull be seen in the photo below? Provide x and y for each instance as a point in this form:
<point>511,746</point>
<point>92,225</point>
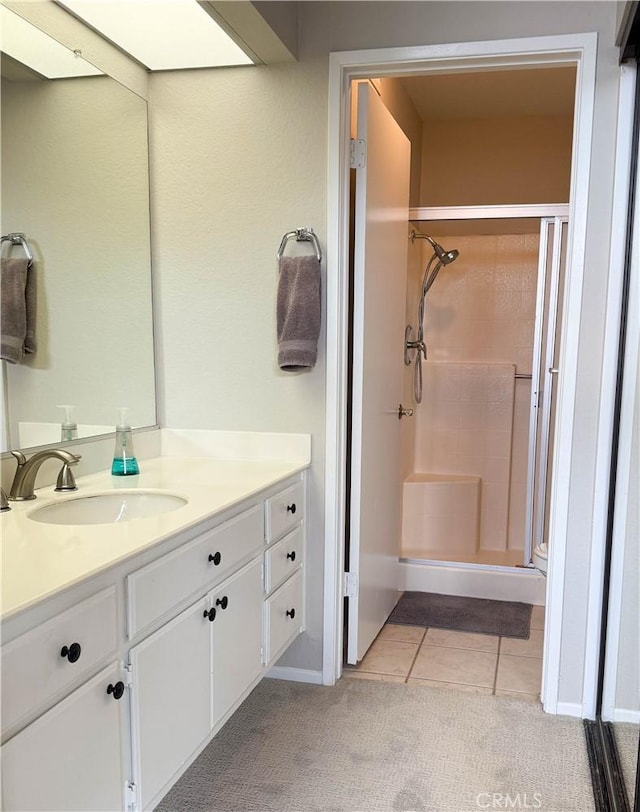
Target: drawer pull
<point>72,652</point>
<point>222,602</point>
<point>291,508</point>
<point>292,555</point>
<point>117,690</point>
<point>216,558</point>
<point>291,613</point>
<point>211,614</point>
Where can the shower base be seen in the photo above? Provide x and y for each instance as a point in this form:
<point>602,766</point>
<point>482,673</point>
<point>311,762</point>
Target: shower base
<point>495,558</point>
<point>474,580</point>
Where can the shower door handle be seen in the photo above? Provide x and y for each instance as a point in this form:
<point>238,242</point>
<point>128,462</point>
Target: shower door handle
<point>402,412</point>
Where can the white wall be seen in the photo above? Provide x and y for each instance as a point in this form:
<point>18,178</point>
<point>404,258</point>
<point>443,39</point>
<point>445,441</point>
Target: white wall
<point>237,160</point>
<point>239,157</point>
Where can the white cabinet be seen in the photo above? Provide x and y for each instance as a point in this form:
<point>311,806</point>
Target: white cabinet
<point>171,698</point>
<point>197,624</point>
<point>237,637</point>
<point>56,656</point>
<point>71,758</point>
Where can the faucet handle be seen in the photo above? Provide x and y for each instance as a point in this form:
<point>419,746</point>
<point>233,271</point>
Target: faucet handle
<point>66,481</point>
<point>20,457</point>
<point>4,504</point>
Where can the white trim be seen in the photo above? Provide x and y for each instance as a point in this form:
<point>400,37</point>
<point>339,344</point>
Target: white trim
<point>626,715</point>
<point>569,709</point>
<point>624,148</point>
<point>290,674</point>
<point>568,362</point>
<point>579,49</point>
<point>516,211</point>
<point>499,583</point>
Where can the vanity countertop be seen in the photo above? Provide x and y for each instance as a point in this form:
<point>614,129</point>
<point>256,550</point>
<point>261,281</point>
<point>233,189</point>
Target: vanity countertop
<point>40,560</point>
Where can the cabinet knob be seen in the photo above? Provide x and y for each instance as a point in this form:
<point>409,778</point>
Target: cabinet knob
<point>292,555</point>
<point>72,652</point>
<point>222,602</point>
<point>291,508</point>
<point>211,614</point>
<point>216,558</point>
<point>291,613</point>
<point>117,690</point>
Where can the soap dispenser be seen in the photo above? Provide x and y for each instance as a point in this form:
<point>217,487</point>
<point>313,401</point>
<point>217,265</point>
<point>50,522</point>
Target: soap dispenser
<point>124,458</point>
<point>69,427</point>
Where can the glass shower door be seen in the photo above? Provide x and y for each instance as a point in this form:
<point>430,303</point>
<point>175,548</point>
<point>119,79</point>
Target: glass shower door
<point>545,371</point>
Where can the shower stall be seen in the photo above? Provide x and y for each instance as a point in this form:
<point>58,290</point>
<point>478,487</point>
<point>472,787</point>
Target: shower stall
<point>481,349</point>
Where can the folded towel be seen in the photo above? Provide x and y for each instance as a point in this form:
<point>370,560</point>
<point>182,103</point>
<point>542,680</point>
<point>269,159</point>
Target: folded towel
<point>298,312</point>
<point>17,309</point>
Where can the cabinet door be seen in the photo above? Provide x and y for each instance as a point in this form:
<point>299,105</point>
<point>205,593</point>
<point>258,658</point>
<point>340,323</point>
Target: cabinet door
<point>71,757</point>
<point>237,636</point>
<point>171,698</point>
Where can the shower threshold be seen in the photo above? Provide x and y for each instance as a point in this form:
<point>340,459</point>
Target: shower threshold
<point>473,580</point>
<point>495,558</point>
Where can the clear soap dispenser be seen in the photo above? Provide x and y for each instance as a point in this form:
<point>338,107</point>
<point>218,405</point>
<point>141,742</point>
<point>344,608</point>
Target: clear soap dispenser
<point>69,427</point>
<point>124,458</point>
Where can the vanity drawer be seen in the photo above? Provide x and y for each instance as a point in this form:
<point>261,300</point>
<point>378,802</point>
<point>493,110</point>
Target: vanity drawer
<point>156,588</point>
<point>283,559</point>
<point>284,511</point>
<point>284,615</point>
<point>34,668</point>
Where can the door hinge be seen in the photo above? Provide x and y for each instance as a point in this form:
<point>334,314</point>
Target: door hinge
<point>358,153</point>
<point>350,586</point>
<point>131,795</point>
<point>128,675</point>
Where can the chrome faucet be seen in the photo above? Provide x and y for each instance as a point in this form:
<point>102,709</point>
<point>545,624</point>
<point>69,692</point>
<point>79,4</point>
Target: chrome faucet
<point>25,478</point>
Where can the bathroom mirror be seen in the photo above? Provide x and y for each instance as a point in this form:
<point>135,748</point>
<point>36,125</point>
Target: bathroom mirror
<point>75,181</point>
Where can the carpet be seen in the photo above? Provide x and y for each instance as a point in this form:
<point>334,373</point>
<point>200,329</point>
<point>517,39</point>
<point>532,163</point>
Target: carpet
<point>481,615</point>
<point>365,746</point>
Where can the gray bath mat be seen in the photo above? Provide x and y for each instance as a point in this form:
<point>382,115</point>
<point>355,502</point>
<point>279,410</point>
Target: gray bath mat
<point>481,615</point>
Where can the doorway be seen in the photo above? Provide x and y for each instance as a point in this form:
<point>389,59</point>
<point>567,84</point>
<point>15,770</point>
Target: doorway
<point>575,50</point>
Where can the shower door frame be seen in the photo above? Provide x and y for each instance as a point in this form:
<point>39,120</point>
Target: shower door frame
<point>577,49</point>
<point>537,463</point>
<point>549,214</point>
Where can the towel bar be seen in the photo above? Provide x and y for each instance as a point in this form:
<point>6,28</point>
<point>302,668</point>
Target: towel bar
<point>18,239</point>
<point>301,235</point>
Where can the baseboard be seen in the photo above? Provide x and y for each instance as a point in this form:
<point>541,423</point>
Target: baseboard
<point>626,715</point>
<point>569,709</point>
<point>294,674</point>
<point>512,584</point>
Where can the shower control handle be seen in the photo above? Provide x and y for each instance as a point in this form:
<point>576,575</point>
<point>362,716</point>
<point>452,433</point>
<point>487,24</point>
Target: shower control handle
<point>402,412</point>
<point>553,371</point>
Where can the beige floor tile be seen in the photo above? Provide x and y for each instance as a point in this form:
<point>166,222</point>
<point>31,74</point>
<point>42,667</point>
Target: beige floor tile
<point>402,634</point>
<point>516,695</point>
<point>537,617</point>
<point>464,666</point>
<point>389,657</point>
<point>524,648</point>
<point>521,674</point>
<point>453,686</point>
<point>451,639</point>
<point>353,674</point>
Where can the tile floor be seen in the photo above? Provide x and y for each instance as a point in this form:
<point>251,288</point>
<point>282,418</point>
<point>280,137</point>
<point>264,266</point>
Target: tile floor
<point>476,663</point>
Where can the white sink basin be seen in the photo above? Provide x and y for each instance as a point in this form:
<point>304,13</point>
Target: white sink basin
<point>108,508</point>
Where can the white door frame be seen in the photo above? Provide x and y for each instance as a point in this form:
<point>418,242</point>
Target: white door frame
<point>577,49</point>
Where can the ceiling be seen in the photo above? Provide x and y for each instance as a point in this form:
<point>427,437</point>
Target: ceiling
<point>493,93</point>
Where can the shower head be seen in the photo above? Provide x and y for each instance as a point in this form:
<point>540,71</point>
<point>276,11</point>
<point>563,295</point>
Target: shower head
<point>445,257</point>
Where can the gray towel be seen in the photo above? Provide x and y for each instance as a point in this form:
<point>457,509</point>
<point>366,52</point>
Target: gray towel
<point>298,312</point>
<point>17,309</point>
